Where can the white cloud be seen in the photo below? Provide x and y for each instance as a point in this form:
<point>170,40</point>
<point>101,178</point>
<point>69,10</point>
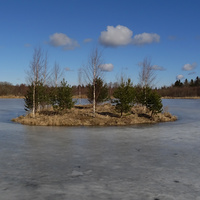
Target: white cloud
<point>179,77</point>
<point>87,40</point>
<point>62,40</point>
<point>116,36</point>
<point>157,67</point>
<point>146,38</point>
<point>121,35</point>
<point>189,67</point>
<point>106,67</point>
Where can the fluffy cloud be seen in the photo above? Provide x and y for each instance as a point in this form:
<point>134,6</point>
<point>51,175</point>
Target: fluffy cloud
<point>106,67</point>
<point>179,77</point>
<point>156,67</point>
<point>116,36</point>
<point>121,35</point>
<point>146,38</point>
<point>62,40</point>
<point>189,67</point>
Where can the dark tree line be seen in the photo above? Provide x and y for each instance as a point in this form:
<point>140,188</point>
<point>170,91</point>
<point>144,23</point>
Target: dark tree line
<point>7,89</point>
<point>178,89</point>
<point>182,89</point>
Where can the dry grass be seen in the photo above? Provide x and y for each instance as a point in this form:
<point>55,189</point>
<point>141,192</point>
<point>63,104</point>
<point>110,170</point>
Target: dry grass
<point>195,97</point>
<point>83,116</point>
<point>11,97</point>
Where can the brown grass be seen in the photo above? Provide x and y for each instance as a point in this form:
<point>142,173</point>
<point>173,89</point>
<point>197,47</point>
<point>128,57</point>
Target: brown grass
<point>11,97</point>
<point>83,116</point>
<point>195,97</point>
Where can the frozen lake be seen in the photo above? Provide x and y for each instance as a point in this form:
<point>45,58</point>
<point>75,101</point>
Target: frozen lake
<point>146,162</point>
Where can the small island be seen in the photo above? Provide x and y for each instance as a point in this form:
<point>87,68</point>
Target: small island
<point>82,115</point>
<point>53,104</point>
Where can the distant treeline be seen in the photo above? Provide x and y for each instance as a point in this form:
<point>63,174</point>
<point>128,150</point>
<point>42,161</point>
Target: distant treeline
<point>178,89</point>
<point>8,89</point>
<point>182,89</point>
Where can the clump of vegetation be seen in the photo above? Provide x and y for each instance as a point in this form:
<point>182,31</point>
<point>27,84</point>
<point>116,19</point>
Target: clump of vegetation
<point>101,91</point>
<point>124,96</point>
<point>52,104</point>
<point>150,99</point>
<point>61,97</point>
<point>41,97</point>
<point>154,103</point>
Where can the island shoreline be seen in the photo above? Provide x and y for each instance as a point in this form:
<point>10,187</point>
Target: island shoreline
<point>83,116</point>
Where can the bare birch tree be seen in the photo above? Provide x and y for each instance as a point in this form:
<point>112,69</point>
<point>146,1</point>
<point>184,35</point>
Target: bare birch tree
<point>45,70</point>
<point>146,76</point>
<point>35,73</point>
<point>92,71</point>
<point>79,83</point>
<point>56,75</point>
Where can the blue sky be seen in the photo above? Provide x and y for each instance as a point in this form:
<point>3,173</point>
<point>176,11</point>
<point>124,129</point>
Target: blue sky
<point>127,31</point>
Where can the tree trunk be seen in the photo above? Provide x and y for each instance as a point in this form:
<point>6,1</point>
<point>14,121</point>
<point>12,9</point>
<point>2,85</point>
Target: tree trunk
<point>145,98</point>
<point>94,101</point>
<point>34,99</point>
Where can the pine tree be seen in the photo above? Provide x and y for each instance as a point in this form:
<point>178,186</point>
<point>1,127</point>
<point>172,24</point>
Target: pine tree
<point>150,99</point>
<point>154,102</point>
<point>64,96</point>
<point>101,91</point>
<point>41,96</point>
<point>124,95</point>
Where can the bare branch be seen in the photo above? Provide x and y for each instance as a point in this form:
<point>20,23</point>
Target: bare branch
<point>147,74</point>
<point>37,68</point>
<point>56,74</point>
<point>45,72</point>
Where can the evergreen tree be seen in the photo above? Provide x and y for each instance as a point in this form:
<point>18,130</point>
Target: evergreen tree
<point>186,82</point>
<point>141,95</point>
<point>178,83</point>
<point>41,96</point>
<point>64,96</point>
<point>154,102</point>
<point>53,97</point>
<point>101,91</point>
<point>124,95</point>
<point>192,83</point>
<point>197,81</point>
